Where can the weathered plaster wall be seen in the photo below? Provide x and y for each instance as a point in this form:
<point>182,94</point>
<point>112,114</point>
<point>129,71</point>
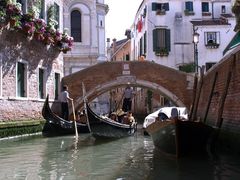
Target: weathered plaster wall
<point>14,47</point>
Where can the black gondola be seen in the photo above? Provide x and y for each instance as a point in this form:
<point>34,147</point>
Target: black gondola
<point>107,128</point>
<point>56,126</point>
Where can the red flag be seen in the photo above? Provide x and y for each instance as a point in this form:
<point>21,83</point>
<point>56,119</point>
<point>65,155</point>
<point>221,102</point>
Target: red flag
<point>139,25</point>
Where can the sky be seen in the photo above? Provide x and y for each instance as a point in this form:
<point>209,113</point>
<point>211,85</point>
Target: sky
<point>120,17</point>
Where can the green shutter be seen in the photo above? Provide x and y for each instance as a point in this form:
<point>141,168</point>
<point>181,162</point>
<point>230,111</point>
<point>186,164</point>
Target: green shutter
<point>154,6</point>
<point>56,14</point>
<point>154,39</point>
<point>145,43</point>
<point>20,79</point>
<point>168,39</point>
<point>57,79</point>
<point>141,45</point>
<point>40,81</point>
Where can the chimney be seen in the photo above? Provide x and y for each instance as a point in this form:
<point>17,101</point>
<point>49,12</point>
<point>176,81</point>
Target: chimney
<point>128,33</point>
<point>114,44</point>
<point>108,43</point>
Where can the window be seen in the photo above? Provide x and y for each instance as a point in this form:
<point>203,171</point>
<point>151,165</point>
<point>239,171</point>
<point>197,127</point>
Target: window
<point>76,28</point>
<point>57,85</point>
<point>209,65</point>
<point>127,57</point>
<point>223,9</point>
<point>24,5</point>
<point>41,83</point>
<point>0,74</point>
<point>56,15</point>
<point>140,47</point>
<point>42,5</point>
<point>21,79</point>
<point>189,6</point>
<point>212,39</point>
<point>160,6</point>
<point>161,41</point>
<point>205,7</point>
<point>53,13</point>
<point>145,43</point>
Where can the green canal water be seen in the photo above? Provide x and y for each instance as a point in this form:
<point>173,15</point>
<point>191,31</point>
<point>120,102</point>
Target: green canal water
<point>131,158</point>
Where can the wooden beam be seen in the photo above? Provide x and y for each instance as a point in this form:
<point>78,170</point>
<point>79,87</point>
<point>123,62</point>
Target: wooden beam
<point>210,97</point>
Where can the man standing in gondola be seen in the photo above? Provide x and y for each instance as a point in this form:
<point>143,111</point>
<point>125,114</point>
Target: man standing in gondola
<point>64,98</point>
<point>127,101</point>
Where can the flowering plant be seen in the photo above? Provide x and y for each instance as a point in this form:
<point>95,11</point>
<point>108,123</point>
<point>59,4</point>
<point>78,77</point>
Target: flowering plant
<point>27,23</point>
<point>40,29</point>
<point>66,42</point>
<point>13,15</point>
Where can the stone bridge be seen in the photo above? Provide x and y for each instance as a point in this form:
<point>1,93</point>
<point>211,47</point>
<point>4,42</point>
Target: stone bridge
<point>175,85</point>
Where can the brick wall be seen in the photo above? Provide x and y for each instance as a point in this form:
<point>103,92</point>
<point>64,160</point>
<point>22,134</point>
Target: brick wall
<point>14,47</point>
<point>225,102</point>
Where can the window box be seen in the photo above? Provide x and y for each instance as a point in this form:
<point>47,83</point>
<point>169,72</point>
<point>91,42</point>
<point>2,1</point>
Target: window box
<point>212,45</point>
<point>206,14</point>
<point>189,13</point>
<point>162,52</point>
<point>160,12</point>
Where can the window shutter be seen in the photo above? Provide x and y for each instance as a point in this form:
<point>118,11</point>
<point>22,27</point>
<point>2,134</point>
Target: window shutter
<point>140,47</point>
<point>20,79</point>
<point>154,39</point>
<point>56,14</point>
<point>168,39</point>
<point>42,10</point>
<point>190,6</point>
<point>57,80</point>
<point>41,74</point>
<point>154,6</point>
<point>166,6</point>
<point>145,43</point>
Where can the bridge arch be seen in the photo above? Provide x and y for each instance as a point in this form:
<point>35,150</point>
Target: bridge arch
<point>97,79</point>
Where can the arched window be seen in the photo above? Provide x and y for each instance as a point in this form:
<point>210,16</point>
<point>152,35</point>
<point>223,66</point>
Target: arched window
<point>76,27</point>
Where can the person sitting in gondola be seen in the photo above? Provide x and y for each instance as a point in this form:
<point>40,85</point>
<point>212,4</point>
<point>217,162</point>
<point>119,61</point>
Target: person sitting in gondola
<point>113,116</point>
<point>82,117</point>
<point>129,119</point>
<point>120,115</point>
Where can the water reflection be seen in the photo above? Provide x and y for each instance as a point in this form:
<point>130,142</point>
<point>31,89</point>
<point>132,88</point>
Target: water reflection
<point>131,158</point>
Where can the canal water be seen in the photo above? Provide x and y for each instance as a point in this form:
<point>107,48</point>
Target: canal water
<point>131,158</point>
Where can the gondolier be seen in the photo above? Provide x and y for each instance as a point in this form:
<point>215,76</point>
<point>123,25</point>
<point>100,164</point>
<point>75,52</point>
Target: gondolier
<point>127,101</point>
<point>64,98</point>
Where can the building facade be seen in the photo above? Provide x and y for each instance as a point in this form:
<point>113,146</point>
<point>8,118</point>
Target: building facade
<point>85,21</point>
<point>163,30</point>
<point>31,61</point>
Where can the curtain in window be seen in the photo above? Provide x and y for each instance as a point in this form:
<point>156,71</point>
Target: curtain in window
<point>76,26</point>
